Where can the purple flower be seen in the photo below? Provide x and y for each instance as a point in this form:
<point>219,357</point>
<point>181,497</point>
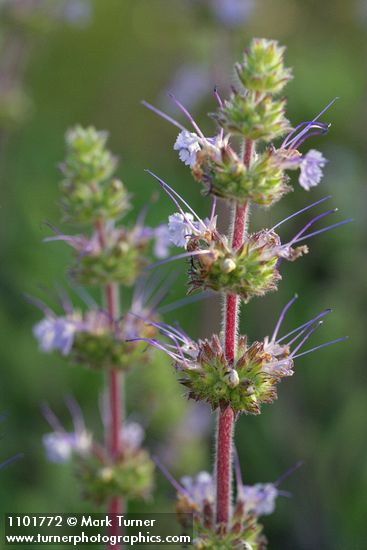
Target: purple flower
<point>162,241</point>
<point>232,12</point>
<point>187,144</point>
<point>60,445</point>
<point>311,169</point>
<point>132,435</point>
<point>55,333</point>
<point>199,489</point>
<point>259,498</point>
<point>183,224</point>
<point>180,228</point>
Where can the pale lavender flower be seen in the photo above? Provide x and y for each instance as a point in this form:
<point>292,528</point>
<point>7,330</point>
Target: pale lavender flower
<point>181,224</point>
<point>162,241</point>
<point>61,445</point>
<point>132,435</point>
<point>260,498</point>
<point>137,235</point>
<point>180,228</point>
<point>311,163</point>
<point>311,169</point>
<point>187,144</point>
<point>55,333</point>
<point>199,489</point>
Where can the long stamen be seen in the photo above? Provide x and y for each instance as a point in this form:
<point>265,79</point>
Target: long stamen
<point>322,130</point>
<point>310,223</point>
<point>220,103</point>
<point>177,331</point>
<point>170,477</point>
<point>163,291</point>
<point>333,226</point>
<point>84,295</point>
<point>281,317</point>
<point>144,290</point>
<point>288,473</point>
<point>295,338</point>
<point>179,257</point>
<point>40,304</point>
<point>309,333</point>
<point>308,323</point>
<point>185,301</point>
<point>307,326</point>
<point>237,471</point>
<point>189,116</point>
<point>11,460</point>
<point>76,413</point>
<point>300,211</point>
<point>171,332</point>
<point>284,494</point>
<point>155,344</point>
<point>163,115</point>
<point>52,419</point>
<point>342,339</point>
<point>169,190</point>
<point>321,127</point>
<point>214,205</point>
<point>292,132</point>
<point>312,122</point>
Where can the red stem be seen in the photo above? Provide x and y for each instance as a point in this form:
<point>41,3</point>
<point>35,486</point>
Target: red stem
<point>226,417</point>
<point>116,504</point>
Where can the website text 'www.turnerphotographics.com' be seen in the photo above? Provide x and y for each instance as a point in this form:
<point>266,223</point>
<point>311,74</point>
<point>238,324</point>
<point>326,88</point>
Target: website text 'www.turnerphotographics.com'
<point>97,529</point>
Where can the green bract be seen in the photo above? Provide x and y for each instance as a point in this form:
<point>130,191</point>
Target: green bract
<point>89,191</point>
<point>253,117</point>
<point>244,532</point>
<point>243,386</point>
<point>119,261</point>
<point>131,476</point>
<point>106,350</point>
<point>226,176</point>
<point>87,159</point>
<point>262,68</point>
<point>249,271</point>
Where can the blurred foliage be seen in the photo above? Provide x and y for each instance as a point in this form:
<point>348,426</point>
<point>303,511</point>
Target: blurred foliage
<point>97,75</point>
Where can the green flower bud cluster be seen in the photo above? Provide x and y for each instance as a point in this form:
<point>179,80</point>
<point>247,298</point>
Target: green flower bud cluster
<point>119,260</point>
<point>249,271</point>
<point>262,69</point>
<point>244,532</point>
<point>103,346</point>
<point>243,386</point>
<point>250,536</point>
<point>253,117</point>
<point>227,176</point>
<point>89,190</point>
<point>131,476</point>
<point>254,113</point>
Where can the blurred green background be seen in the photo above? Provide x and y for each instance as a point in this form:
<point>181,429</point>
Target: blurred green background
<point>96,73</point>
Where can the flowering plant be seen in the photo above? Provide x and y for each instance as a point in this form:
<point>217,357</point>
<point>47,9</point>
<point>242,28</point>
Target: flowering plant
<point>226,371</point>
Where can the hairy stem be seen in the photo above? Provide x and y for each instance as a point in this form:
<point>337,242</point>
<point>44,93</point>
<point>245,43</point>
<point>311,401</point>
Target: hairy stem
<point>115,384</point>
<point>226,418</point>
